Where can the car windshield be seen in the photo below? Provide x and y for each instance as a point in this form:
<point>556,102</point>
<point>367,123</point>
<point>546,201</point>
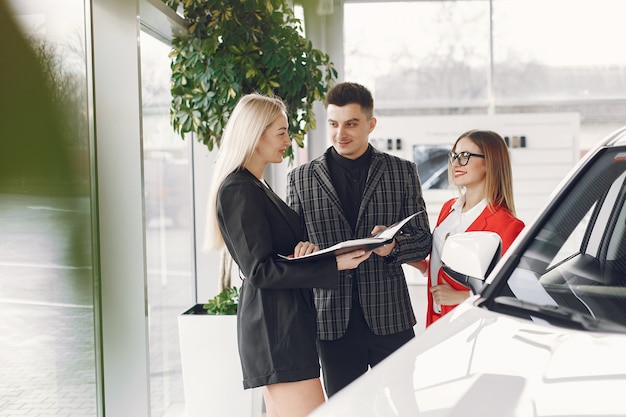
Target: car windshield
<point>574,259</point>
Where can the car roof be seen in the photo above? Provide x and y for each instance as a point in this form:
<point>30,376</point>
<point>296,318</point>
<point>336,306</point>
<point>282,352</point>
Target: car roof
<point>617,138</point>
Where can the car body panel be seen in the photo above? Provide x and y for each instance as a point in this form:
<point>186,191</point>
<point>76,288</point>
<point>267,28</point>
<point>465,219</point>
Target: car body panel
<point>474,362</point>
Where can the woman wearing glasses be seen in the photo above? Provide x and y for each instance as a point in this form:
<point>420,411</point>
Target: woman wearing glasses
<point>480,168</point>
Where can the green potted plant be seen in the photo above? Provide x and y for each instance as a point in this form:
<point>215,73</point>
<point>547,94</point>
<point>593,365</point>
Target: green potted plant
<point>225,302</point>
<point>238,47</point>
<point>210,360</point>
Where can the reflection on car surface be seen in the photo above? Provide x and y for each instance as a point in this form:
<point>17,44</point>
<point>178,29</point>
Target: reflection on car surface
<point>545,334</point>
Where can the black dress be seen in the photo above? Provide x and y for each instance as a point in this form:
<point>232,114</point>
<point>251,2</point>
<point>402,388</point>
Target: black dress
<point>276,319</point>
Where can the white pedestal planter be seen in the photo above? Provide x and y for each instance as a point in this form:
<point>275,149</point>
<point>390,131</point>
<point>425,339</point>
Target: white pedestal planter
<point>211,368</point>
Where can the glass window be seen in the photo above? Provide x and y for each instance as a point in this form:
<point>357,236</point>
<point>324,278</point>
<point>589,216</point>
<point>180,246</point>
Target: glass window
<point>419,54</point>
<point>491,56</point>
<point>168,206</point>
<point>47,334</point>
<point>558,50</point>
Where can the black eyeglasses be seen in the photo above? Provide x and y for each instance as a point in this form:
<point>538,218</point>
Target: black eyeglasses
<point>462,157</point>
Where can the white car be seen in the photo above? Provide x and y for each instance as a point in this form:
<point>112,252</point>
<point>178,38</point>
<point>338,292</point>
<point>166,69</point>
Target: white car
<point>546,333</point>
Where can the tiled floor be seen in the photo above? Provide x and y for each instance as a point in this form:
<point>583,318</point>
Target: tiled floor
<point>38,379</point>
<point>47,357</point>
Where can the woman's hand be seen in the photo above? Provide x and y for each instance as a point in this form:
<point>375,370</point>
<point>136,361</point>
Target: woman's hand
<point>304,248</point>
<point>445,295</point>
<point>352,259</point>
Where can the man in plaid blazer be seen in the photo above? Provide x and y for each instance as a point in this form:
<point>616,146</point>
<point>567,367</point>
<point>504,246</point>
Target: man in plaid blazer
<point>351,192</point>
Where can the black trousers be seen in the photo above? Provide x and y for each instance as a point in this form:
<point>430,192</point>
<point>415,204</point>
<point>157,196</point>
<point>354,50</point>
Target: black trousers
<point>347,358</point>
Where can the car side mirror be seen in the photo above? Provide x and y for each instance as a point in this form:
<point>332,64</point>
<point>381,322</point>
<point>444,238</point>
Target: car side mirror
<point>469,257</point>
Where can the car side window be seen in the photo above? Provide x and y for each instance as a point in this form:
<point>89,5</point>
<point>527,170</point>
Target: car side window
<point>577,258</point>
<point>616,248</point>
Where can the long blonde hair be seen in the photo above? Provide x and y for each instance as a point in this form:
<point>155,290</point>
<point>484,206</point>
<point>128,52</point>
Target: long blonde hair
<point>250,118</point>
<point>499,176</point>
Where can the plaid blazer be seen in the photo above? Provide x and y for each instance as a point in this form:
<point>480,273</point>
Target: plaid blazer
<point>392,192</point>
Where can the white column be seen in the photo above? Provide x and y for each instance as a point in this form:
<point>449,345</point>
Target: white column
<point>117,116</point>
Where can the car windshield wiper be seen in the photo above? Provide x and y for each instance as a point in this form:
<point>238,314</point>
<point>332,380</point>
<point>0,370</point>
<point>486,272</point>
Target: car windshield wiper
<point>557,315</point>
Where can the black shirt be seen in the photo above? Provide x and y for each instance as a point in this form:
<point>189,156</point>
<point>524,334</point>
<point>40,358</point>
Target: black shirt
<point>349,177</point>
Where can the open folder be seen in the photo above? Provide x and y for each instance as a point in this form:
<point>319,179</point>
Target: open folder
<point>367,243</point>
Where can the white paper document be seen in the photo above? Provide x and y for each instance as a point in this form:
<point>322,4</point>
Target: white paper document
<point>367,243</point>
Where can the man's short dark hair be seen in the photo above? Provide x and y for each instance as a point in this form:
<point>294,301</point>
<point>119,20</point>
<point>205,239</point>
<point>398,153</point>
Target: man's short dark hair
<point>346,93</point>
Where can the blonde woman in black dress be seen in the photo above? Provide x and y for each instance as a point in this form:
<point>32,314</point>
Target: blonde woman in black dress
<point>276,321</point>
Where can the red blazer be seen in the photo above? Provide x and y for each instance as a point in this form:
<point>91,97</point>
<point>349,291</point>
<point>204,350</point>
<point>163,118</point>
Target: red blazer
<point>501,221</point>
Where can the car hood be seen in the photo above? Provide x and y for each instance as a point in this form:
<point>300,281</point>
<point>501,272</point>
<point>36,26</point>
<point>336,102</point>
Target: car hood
<point>473,362</point>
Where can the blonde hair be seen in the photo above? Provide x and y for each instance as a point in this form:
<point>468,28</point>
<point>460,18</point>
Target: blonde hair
<point>499,176</point>
<point>250,118</point>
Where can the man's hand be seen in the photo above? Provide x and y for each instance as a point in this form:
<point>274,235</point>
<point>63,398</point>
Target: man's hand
<point>385,249</point>
<point>352,259</point>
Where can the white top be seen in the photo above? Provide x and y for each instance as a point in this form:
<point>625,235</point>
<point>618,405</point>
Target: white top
<point>456,222</point>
